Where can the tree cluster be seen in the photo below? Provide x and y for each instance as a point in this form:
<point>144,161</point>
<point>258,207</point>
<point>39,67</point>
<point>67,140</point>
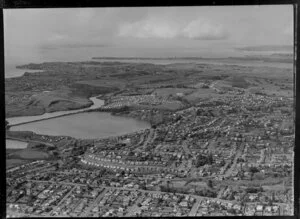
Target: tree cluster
<point>202,160</point>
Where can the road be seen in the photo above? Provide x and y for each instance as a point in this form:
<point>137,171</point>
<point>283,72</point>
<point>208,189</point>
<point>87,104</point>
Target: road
<point>123,166</point>
<point>212,85</point>
<point>60,114</point>
<point>100,196</point>
<point>61,201</point>
<point>121,188</point>
<point>195,207</point>
<point>237,155</point>
<point>140,142</point>
<point>221,192</point>
<point>39,169</point>
<point>149,138</point>
<point>131,209</point>
<point>134,208</point>
<point>185,148</point>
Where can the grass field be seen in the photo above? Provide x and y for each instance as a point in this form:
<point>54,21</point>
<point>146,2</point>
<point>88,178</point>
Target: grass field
<point>165,92</point>
<point>10,163</point>
<point>201,93</point>
<point>30,154</point>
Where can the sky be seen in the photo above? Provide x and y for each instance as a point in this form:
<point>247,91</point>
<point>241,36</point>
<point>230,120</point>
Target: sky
<point>138,31</point>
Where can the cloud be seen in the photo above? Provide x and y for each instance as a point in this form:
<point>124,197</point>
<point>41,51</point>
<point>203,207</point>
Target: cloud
<point>57,37</point>
<point>149,28</point>
<point>198,29</point>
<point>85,15</point>
<point>75,46</point>
<point>289,30</point>
<point>204,30</point>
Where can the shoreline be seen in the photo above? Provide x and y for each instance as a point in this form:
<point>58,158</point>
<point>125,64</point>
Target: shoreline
<point>54,111</point>
<point>38,120</point>
<point>88,105</point>
<point>88,111</point>
<point>69,112</point>
<point>113,111</point>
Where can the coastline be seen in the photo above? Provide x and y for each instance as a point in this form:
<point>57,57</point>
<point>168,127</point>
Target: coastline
<point>68,112</point>
<point>99,85</point>
<point>38,113</point>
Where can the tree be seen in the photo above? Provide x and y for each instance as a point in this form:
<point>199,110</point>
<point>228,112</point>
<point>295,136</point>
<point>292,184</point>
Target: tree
<point>201,161</point>
<point>253,170</point>
<point>210,183</point>
<point>168,184</point>
<point>273,197</point>
<point>254,189</point>
<point>131,153</point>
<point>231,196</point>
<point>241,174</point>
<point>222,163</point>
<point>210,159</point>
<point>56,166</point>
<point>231,211</point>
<point>143,186</point>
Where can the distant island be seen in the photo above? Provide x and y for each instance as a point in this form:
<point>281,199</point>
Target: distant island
<point>275,57</point>
<point>267,48</point>
<point>146,58</point>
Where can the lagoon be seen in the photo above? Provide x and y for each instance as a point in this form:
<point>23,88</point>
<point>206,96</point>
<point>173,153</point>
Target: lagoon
<point>86,125</point>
